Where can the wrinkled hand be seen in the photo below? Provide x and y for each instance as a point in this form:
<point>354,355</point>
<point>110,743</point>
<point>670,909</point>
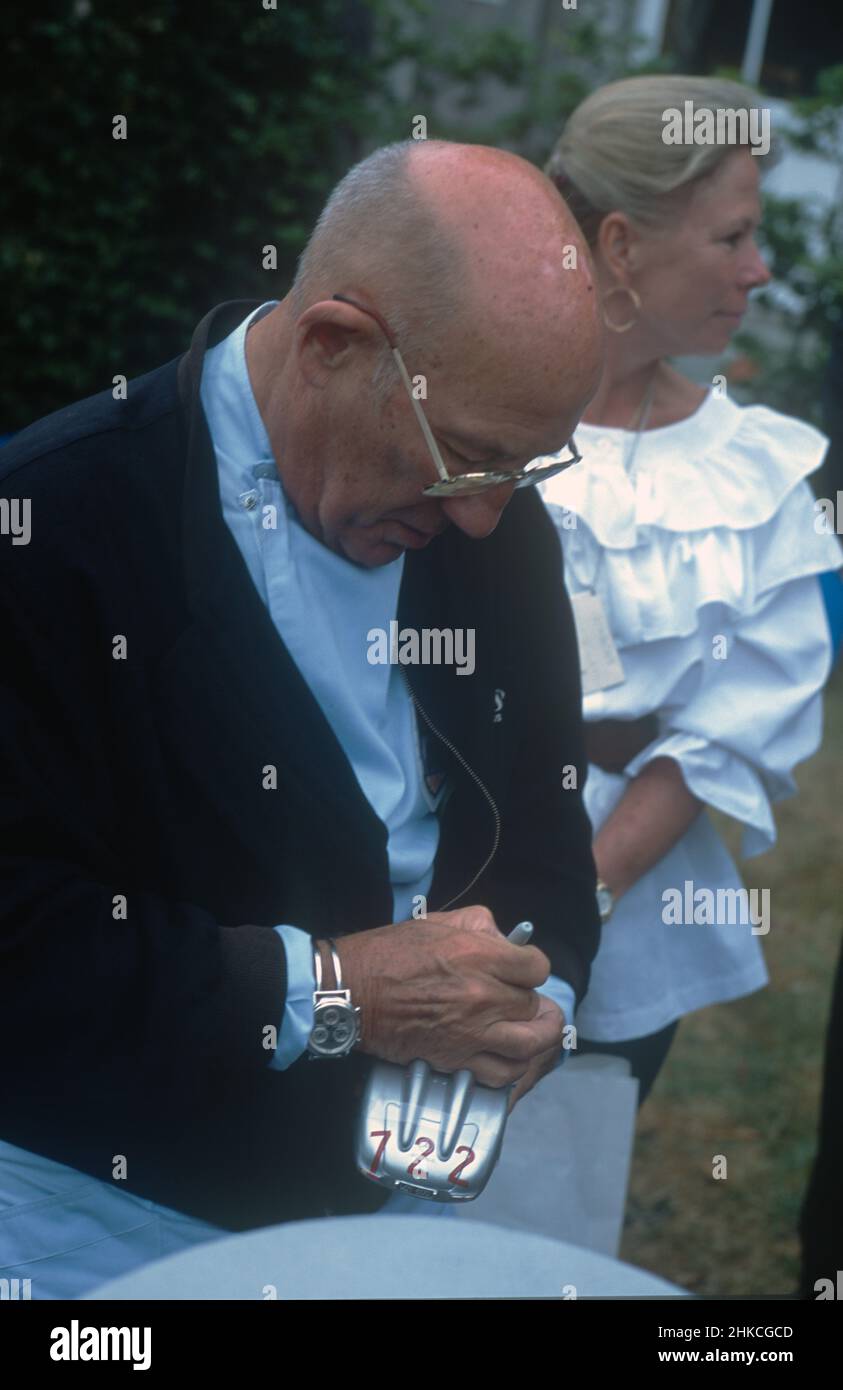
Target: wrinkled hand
<point>545,1061</point>
<point>451,990</point>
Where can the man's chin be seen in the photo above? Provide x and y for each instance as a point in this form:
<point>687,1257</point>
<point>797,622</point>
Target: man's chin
<point>382,542</point>
<point>369,552</point>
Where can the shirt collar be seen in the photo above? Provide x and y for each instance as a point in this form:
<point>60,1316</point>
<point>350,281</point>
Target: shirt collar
<point>237,428</point>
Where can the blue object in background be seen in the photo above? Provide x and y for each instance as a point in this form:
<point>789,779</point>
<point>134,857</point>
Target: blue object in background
<point>832,589</point>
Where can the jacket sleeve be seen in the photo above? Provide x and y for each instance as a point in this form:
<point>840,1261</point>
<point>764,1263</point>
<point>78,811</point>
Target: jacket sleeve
<point>544,870</point>
<point>109,989</point>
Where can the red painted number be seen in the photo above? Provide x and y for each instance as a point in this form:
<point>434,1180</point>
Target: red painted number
<point>428,1151</point>
<point>384,1135</point>
<point>455,1175</point>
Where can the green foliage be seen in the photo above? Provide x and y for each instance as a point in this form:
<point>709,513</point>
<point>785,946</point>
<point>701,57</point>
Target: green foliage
<point>549,78</point>
<point>239,120</point>
<point>804,246</point>
<point>820,115</point>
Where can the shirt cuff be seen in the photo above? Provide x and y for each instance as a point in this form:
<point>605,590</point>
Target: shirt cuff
<point>562,994</point>
<point>724,780</point>
<point>298,1009</point>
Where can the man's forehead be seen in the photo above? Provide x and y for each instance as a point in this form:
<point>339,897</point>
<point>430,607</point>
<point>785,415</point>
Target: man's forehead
<point>518,385</point>
<point>497,442</point>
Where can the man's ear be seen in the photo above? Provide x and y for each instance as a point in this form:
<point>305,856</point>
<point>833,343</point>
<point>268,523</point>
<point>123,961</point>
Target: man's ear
<point>327,335</point>
<point>322,347</point>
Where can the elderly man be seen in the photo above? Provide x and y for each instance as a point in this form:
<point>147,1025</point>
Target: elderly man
<point>211,792</point>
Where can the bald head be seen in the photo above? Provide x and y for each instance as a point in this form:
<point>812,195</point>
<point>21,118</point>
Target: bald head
<point>511,224</point>
<point>526,280</point>
<point>465,250</point>
<point>471,261</point>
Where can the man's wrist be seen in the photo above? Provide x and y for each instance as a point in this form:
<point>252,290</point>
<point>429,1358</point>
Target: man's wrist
<point>356,980</point>
<point>336,1017</point>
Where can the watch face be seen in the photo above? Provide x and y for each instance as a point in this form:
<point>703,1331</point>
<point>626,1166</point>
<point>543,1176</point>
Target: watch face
<point>334,1029</point>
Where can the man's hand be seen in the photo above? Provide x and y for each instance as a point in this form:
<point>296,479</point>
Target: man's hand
<point>451,990</point>
<point>546,1061</point>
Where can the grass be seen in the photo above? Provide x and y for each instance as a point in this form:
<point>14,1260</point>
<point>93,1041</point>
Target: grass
<point>743,1079</point>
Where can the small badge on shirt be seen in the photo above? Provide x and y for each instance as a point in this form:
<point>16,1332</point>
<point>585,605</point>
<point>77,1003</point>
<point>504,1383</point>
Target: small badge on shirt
<point>433,768</point>
<point>600,665</point>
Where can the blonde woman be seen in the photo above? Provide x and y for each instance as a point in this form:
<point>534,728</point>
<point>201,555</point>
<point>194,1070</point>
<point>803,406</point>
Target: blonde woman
<point>691,559</point>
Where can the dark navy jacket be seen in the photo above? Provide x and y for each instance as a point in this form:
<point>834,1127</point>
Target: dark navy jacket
<point>139,1031</point>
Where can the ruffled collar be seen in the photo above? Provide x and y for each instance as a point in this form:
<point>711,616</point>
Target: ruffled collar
<point>725,465</point>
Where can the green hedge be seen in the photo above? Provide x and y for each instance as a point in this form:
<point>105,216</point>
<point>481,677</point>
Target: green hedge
<point>239,120</point>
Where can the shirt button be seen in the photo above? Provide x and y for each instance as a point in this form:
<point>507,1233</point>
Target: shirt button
<point>249,500</point>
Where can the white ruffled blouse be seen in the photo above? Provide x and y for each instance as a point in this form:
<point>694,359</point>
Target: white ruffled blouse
<point>711,537</point>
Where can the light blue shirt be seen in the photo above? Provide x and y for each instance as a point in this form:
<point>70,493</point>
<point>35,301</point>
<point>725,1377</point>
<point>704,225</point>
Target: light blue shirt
<point>323,607</point>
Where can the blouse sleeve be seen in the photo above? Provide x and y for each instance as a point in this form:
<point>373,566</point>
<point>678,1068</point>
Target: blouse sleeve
<point>756,707</point>
<point>707,567</point>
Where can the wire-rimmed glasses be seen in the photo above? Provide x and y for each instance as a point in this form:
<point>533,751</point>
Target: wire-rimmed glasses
<point>461,484</point>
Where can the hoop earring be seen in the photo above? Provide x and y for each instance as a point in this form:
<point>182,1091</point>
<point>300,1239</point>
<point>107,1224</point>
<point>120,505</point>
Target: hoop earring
<point>636,300</point>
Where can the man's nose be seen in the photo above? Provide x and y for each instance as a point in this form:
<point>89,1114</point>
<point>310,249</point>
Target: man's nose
<point>479,513</point>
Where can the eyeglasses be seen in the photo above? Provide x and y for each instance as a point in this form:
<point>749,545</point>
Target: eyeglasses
<point>462,484</point>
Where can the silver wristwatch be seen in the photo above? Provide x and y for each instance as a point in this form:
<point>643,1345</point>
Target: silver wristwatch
<point>336,1022</point>
<point>605,900</point>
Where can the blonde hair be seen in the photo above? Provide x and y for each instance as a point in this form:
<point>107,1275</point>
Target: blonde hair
<point>611,156</point>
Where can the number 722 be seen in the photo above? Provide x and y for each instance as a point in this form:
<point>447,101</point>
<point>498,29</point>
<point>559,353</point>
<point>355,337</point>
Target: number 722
<point>384,1135</point>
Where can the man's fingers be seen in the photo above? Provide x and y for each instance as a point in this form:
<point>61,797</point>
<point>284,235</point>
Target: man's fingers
<point>490,1070</point>
<point>526,966</point>
<point>476,918</point>
<point>489,1004</point>
<point>526,1040</point>
<point>523,966</point>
